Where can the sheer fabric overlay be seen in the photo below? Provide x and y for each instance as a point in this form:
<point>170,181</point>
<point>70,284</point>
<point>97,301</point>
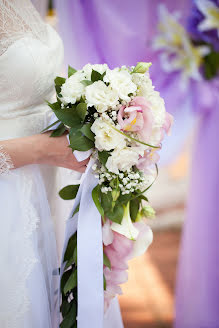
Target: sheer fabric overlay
<point>31,55</point>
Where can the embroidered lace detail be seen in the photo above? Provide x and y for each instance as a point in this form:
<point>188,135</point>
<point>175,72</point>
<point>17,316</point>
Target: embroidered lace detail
<point>5,162</point>
<point>18,303</point>
<point>18,19</point>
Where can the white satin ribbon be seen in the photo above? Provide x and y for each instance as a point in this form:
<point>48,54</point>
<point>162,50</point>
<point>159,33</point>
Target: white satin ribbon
<point>87,222</point>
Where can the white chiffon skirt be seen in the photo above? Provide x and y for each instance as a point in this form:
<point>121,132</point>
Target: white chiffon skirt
<point>32,220</point>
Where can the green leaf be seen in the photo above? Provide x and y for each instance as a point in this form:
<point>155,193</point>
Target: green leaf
<point>50,126</point>
<point>59,131</point>
<point>79,142</point>
<point>76,210</point>
<point>59,80</point>
<point>70,319</point>
<point>75,255</point>
<point>134,208</point>
<point>86,82</point>
<point>65,307</point>
<point>103,156</point>
<point>71,282</point>
<point>86,130</point>
<point>54,106</point>
<point>70,247</point>
<point>67,116</point>
<point>116,215</point>
<point>106,201</point>
<point>73,259</point>
<point>96,199</point>
<point>69,192</point>
<point>81,110</point>
<point>211,65</point>
<point>65,278</point>
<point>106,261</point>
<point>71,71</point>
<point>96,76</point>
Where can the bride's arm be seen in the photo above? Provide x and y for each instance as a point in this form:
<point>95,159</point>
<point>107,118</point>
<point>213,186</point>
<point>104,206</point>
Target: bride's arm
<point>41,149</point>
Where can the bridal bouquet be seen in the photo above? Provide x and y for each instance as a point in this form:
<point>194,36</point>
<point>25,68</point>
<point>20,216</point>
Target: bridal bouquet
<point>192,51</point>
<point>118,117</point>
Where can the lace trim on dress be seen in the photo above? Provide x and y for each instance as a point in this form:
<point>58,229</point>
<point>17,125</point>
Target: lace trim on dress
<point>6,163</point>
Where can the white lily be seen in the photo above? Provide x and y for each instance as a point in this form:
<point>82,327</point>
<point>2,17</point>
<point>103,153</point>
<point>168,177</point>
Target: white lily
<point>211,12</point>
<point>126,228</point>
<point>144,239</point>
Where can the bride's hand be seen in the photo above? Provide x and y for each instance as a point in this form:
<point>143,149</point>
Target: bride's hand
<point>55,151</point>
<point>42,149</point>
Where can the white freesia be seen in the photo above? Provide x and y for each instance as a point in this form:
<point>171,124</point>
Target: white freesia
<point>122,159</point>
<point>100,68</point>
<point>121,81</point>
<point>100,96</point>
<point>73,89</point>
<point>126,228</point>
<point>106,138</point>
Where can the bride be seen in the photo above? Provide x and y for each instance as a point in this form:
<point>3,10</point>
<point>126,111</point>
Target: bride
<point>31,54</point>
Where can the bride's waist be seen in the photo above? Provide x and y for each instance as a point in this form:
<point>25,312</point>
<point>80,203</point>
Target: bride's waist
<point>25,125</point>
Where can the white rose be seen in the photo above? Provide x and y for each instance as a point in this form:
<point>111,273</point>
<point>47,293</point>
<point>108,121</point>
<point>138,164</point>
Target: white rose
<point>122,159</point>
<point>106,138</point>
<point>73,89</point>
<point>121,81</point>
<point>87,69</point>
<point>101,97</point>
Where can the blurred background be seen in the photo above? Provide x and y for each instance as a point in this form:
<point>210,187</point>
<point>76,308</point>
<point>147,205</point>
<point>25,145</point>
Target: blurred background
<point>148,299</point>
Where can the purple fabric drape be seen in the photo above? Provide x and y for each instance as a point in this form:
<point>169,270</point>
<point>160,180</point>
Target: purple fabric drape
<point>197,297</point>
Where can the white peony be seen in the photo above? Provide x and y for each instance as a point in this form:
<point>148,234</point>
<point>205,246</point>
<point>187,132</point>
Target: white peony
<point>101,97</point>
<point>106,138</point>
<point>73,89</point>
<point>87,69</point>
<point>121,81</point>
<point>122,159</point>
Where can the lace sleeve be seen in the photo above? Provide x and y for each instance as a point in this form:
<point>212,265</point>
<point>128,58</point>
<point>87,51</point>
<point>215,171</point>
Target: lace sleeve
<point>6,163</point>
<point>18,19</point>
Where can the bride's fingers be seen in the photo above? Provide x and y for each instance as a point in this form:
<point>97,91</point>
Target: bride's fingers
<point>82,169</point>
<point>84,163</point>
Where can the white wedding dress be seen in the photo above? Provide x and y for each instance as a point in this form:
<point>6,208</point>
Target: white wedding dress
<point>31,55</point>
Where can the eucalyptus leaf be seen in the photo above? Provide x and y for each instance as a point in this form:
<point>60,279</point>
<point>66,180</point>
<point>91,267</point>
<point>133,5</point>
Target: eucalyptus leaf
<point>65,278</point>
<point>71,71</point>
<point>96,199</point>
<point>59,131</point>
<point>71,282</point>
<point>81,110</point>
<point>104,282</point>
<point>86,130</point>
<point>76,210</point>
<point>69,192</point>
<point>106,261</point>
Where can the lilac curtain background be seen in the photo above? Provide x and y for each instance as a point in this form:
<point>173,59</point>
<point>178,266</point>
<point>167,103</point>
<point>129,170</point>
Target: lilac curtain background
<point>119,32</point>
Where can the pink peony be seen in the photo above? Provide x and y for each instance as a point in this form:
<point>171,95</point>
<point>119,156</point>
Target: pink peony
<point>137,117</point>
